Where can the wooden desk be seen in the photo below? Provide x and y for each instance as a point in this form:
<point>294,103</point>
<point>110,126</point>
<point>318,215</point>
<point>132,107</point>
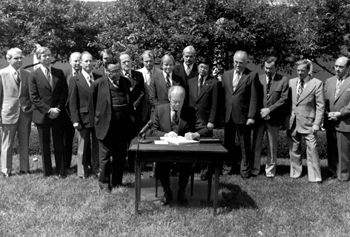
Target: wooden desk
<point>213,153</point>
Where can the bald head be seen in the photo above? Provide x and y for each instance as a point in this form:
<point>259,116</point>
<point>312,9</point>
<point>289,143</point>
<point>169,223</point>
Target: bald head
<point>176,97</point>
<point>341,66</point>
<point>74,60</point>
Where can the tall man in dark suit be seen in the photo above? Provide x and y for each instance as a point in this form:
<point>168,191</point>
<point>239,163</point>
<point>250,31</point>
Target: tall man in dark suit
<point>105,55</point>
<point>112,113</point>
<point>187,69</point>
<point>48,92</point>
<point>79,94</point>
<point>15,112</point>
<point>203,94</point>
<point>242,89</point>
<point>275,88</point>
<point>337,120</point>
<point>162,81</point>
<point>68,129</point>
<point>171,120</point>
<point>306,110</point>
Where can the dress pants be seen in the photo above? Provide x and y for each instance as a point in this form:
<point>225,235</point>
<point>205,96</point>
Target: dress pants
<point>44,131</point>
<point>68,137</point>
<point>163,174</point>
<point>22,128</point>
<point>244,132</point>
<point>313,161</point>
<point>272,132</point>
<point>86,158</point>
<point>115,145</point>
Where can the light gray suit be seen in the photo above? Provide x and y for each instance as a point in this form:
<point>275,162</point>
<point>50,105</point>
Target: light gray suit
<point>338,132</point>
<point>16,117</point>
<point>305,112</point>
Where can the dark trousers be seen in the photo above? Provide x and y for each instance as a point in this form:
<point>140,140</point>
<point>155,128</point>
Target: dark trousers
<point>243,132</point>
<point>163,174</point>
<point>44,131</point>
<point>68,136</point>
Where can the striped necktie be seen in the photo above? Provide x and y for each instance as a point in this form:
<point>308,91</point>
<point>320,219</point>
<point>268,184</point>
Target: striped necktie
<point>300,89</point>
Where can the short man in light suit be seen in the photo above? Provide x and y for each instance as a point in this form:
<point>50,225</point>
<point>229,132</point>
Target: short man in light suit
<point>307,107</point>
<point>16,112</point>
<point>337,120</point>
<point>275,98</point>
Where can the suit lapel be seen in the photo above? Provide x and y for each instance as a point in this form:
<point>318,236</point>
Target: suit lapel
<point>161,81</point>
<point>182,122</point>
<point>204,88</point>
<point>274,84</point>
<point>241,81</point>
<point>105,90</point>
<point>307,90</point>
<point>54,79</point>
<point>345,85</point>
<point>293,84</point>
<point>165,115</point>
<point>43,78</point>
<point>133,80</point>
<point>229,81</point>
<point>331,90</point>
<point>82,81</point>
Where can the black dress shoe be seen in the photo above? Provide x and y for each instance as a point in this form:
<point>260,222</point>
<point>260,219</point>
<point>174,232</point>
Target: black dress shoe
<point>7,175</point>
<point>182,199</point>
<point>24,172</point>
<point>168,196</point>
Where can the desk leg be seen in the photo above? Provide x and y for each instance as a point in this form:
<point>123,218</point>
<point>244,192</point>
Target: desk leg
<point>216,189</point>
<point>137,186</point>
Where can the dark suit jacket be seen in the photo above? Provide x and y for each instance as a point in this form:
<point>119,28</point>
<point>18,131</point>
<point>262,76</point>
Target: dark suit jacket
<point>79,94</point>
<point>100,71</point>
<point>101,105</point>
<point>158,93</point>
<point>44,97</point>
<point>189,121</point>
<point>137,90</point>
<point>277,99</point>
<point>180,71</point>
<point>207,101</point>
<point>243,103</point>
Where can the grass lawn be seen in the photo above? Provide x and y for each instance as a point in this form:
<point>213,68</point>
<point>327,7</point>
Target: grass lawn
<point>37,206</point>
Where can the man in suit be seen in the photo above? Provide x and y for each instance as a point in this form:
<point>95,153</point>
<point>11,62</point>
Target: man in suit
<point>337,120</point>
<point>68,129</point>
<point>203,94</point>
<point>113,116</point>
<point>275,88</point>
<point>16,112</point>
<point>171,120</point>
<point>162,81</point>
<point>48,92</point>
<point>242,92</point>
<point>105,55</point>
<point>306,111</point>
<point>79,94</point>
<point>148,71</point>
<point>187,69</point>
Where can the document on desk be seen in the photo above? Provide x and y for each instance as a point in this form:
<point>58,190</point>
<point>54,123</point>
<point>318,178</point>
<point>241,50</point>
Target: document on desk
<point>180,140</point>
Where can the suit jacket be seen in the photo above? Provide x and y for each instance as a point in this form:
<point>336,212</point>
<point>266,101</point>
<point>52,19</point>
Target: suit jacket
<point>189,121</point>
<point>14,100</point>
<point>101,105</point>
<point>341,104</point>
<point>146,106</point>
<point>180,71</point>
<point>277,99</point>
<point>158,93</point>
<point>243,103</point>
<point>44,97</point>
<point>137,89</point>
<point>207,100</point>
<point>309,109</point>
<point>79,94</point>
<point>100,71</point>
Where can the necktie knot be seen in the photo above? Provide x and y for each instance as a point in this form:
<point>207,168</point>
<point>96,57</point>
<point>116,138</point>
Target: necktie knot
<point>168,83</point>
<point>127,74</point>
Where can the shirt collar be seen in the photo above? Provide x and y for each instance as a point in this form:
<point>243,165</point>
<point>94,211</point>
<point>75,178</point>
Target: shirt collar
<point>85,74</point>
<point>273,76</point>
<point>13,70</point>
<point>45,68</point>
<point>186,66</point>
<point>306,80</point>
<point>170,74</point>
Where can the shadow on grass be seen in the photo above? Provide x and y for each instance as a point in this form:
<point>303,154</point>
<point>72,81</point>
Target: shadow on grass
<point>236,197</point>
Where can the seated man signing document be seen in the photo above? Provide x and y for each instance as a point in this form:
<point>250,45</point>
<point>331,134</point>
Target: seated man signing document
<point>171,120</point>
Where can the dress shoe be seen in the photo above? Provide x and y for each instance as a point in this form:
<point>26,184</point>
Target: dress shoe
<point>168,196</point>
<point>182,199</point>
<point>83,177</point>
<point>24,172</point>
<point>7,175</point>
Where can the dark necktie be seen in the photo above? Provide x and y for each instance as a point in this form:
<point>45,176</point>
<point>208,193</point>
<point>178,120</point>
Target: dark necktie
<point>127,75</point>
<point>200,85</point>
<point>174,121</point>
<point>48,76</point>
<point>301,88</point>
<point>17,78</point>
<point>337,87</point>
<point>268,85</point>
<point>168,84</point>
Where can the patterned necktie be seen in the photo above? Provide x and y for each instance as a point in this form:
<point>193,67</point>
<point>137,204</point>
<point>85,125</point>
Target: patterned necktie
<point>127,75</point>
<point>235,81</point>
<point>168,83</point>
<point>200,85</point>
<point>90,79</point>
<point>337,87</point>
<point>174,121</point>
<point>301,88</point>
<point>48,76</point>
<point>268,85</point>
<point>17,78</point>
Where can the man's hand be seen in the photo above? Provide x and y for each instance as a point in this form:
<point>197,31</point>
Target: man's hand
<point>334,116</point>
<point>315,128</point>
<point>171,134</point>
<point>250,122</point>
<point>54,112</point>
<point>192,136</point>
<point>210,126</point>
<point>77,126</point>
<point>264,112</point>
